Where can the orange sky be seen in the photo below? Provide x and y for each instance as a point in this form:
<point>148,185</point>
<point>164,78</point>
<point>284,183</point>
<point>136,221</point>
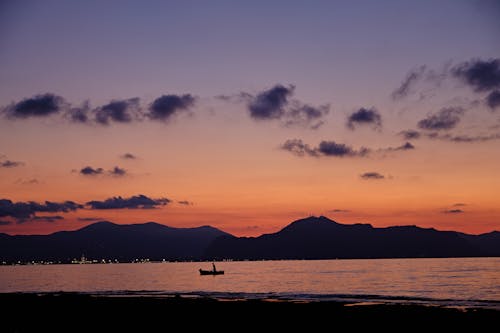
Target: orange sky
<point>209,95</point>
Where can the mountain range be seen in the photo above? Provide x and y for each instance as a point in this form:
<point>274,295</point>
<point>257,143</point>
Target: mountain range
<point>309,238</point>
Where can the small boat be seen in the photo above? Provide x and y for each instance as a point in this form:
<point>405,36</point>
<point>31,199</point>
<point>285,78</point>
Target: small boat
<point>210,272</point>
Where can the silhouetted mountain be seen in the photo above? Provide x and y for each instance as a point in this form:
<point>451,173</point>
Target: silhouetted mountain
<point>111,241</point>
<point>310,238</point>
<point>322,238</point>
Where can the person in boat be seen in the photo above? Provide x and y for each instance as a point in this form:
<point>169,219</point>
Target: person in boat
<point>213,266</point>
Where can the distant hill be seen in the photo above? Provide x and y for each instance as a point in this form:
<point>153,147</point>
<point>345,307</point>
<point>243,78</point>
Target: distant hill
<point>111,241</point>
<point>309,238</point>
<point>322,238</point>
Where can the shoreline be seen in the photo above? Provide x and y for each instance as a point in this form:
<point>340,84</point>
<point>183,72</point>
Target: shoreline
<point>125,312</point>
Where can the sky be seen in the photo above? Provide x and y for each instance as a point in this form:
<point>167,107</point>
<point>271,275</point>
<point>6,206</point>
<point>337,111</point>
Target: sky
<point>247,115</point>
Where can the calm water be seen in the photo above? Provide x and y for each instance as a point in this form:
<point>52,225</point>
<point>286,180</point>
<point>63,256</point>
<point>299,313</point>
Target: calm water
<point>457,281</point>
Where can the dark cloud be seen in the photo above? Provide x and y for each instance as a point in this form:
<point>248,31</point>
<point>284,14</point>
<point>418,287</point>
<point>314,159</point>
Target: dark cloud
<point>410,134</point>
<point>460,204</point>
<point>372,175</point>
<point>463,138</point>
<point>117,172</point>
<point>453,211</point>
<point>270,104</point>
<point>79,114</point>
<point>185,203</point>
<point>325,148</point>
<point>447,118</point>
<point>10,164</point>
<point>306,115</point>
<point>36,106</point>
<point>27,210</point>
<point>166,106</point>
<point>276,104</point>
<point>120,111</point>
<point>89,171</point>
<point>411,78</point>
<point>404,146</point>
<point>331,148</point>
<point>128,156</point>
<point>481,75</point>
<point>299,148</point>
<point>135,202</point>
<point>365,116</point>
<point>339,211</point>
<point>493,99</point>
<point>3,222</point>
<point>47,218</point>
<point>89,219</point>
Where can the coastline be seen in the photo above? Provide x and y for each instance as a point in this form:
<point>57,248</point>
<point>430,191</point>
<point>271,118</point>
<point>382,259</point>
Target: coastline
<point>55,311</point>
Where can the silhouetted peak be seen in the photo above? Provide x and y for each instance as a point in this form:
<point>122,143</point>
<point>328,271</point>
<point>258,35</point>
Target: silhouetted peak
<point>101,225</point>
<point>310,223</point>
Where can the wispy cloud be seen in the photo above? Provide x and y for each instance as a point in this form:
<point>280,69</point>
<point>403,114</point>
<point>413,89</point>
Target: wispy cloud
<point>453,211</point>
<point>372,175</point>
<point>128,156</point>
<point>409,81</point>
<point>447,118</point>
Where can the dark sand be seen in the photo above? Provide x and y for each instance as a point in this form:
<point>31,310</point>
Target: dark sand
<point>69,312</point>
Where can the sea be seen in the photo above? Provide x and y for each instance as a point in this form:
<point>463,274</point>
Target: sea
<point>454,282</point>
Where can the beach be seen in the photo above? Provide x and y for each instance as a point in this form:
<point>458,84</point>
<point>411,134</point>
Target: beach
<point>86,312</point>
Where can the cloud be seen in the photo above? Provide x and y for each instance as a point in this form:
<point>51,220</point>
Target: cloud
<point>411,78</point>
<point>185,202</point>
<point>299,148</point>
<point>32,181</point>
<point>447,118</point>
<point>27,210</point>
<point>481,75</point>
<point>276,103</point>
<point>270,104</point>
<point>79,114</point>
<point>463,138</point>
<point>89,171</point>
<point>3,222</point>
<point>460,204</point>
<point>371,175</point>
<point>365,116</point>
<point>37,106</point>
<point>89,219</point>
<point>117,172</point>
<point>10,164</point>
<point>135,202</point>
<point>453,211</point>
<point>128,156</point>
<point>166,106</point>
<point>120,111</point>
<point>325,148</point>
<point>410,134</point>
<point>493,99</point>
<point>47,218</point>
<point>339,211</point>
<point>306,115</point>
<point>404,146</point>
<point>331,148</point>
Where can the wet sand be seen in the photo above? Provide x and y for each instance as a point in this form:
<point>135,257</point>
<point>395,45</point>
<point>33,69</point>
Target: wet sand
<point>80,312</point>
